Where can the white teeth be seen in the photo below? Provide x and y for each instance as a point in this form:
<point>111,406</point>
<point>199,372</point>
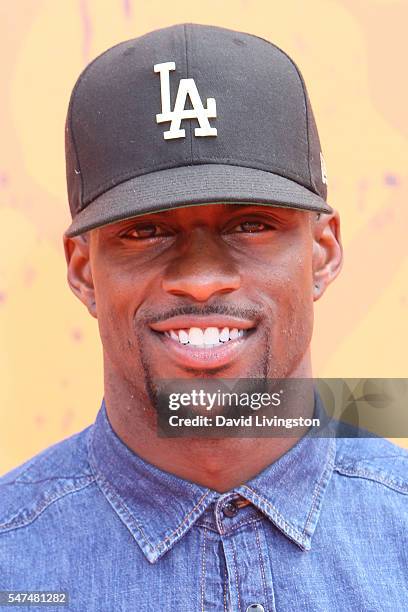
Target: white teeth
<point>224,335</point>
<point>211,336</point>
<point>234,334</point>
<point>183,336</point>
<point>196,336</point>
<point>203,338</point>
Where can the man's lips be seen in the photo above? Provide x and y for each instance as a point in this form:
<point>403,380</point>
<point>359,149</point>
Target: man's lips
<point>178,348</point>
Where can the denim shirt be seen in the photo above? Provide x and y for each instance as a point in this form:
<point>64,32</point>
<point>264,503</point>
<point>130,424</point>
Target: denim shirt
<point>324,528</point>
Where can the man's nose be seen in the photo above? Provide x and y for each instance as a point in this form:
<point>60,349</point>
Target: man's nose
<point>202,269</point>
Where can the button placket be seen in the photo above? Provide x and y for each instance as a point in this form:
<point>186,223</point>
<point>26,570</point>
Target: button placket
<point>250,586</point>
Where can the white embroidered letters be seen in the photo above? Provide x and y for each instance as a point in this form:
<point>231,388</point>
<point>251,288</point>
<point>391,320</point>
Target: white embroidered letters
<point>187,87</point>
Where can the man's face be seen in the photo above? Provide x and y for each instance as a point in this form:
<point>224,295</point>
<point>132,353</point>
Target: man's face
<point>210,290</point>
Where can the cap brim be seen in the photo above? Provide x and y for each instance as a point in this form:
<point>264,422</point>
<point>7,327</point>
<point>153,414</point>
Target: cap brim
<point>194,185</point>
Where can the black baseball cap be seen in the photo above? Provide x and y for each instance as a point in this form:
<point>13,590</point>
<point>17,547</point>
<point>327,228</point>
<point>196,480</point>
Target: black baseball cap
<point>187,115</point>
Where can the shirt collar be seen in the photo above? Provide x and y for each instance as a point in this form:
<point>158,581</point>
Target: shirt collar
<point>158,507</point>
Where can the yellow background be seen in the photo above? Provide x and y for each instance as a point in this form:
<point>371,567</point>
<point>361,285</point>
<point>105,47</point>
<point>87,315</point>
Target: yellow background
<point>352,54</point>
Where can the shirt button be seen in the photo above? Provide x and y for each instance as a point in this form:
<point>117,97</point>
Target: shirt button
<point>255,608</point>
<point>230,509</point>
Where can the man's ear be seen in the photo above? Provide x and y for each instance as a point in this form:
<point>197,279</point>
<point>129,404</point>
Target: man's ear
<point>327,251</point>
<point>79,273</point>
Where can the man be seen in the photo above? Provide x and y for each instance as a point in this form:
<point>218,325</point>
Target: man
<point>200,239</point>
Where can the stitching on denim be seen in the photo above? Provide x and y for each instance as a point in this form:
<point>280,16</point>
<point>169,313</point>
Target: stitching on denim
<point>301,535</point>
<point>48,479</point>
<point>280,520</point>
<point>331,453</point>
<point>114,495</point>
<point>225,588</point>
<point>19,522</point>
<point>234,556</point>
<point>374,477</point>
<point>206,525</point>
<point>241,524</point>
<point>203,568</point>
<point>37,462</point>
<point>168,537</point>
<point>117,442</point>
<point>118,503</point>
<point>387,456</point>
<point>210,527</point>
<point>218,519</point>
<point>114,498</point>
<point>261,562</point>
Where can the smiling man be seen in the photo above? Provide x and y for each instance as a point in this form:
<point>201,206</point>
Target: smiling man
<point>200,239</point>
<point>220,290</point>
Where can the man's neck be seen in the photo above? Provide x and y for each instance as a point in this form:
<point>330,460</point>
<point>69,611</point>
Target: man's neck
<point>220,464</point>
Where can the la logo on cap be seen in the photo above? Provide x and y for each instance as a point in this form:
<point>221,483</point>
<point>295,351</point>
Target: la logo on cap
<point>187,87</point>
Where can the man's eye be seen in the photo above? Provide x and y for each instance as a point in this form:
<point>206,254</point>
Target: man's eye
<point>145,230</point>
<point>251,227</point>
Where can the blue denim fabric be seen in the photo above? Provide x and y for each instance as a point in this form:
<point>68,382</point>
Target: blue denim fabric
<point>325,530</point>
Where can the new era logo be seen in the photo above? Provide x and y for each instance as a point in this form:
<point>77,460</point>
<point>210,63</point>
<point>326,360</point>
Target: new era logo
<point>187,87</point>
<point>323,169</point>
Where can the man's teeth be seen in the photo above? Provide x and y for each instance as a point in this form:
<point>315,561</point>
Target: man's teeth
<point>210,336</point>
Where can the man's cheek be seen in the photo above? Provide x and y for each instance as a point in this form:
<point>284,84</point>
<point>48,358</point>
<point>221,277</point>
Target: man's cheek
<point>116,333</point>
<point>293,315</point>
